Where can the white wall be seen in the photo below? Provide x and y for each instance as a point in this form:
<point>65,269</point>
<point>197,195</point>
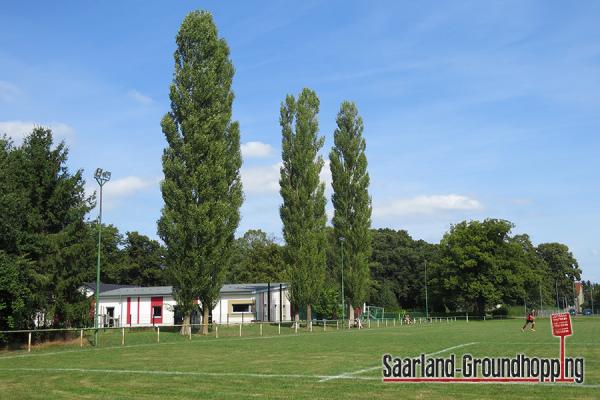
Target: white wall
<point>219,313</point>
<point>222,309</point>
<point>145,309</point>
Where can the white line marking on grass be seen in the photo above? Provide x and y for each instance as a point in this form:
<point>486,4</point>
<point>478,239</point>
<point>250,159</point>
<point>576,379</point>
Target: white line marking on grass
<point>168,373</point>
<point>264,376</point>
<point>200,340</point>
<point>346,375</point>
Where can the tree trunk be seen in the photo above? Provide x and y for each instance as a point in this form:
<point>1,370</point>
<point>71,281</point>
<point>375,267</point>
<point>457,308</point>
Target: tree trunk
<point>308,316</point>
<point>481,306</point>
<point>185,327</point>
<point>205,321</point>
<point>296,317</point>
<point>350,315</point>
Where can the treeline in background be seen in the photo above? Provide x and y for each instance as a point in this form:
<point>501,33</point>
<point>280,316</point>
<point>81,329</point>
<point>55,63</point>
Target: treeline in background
<point>48,250</point>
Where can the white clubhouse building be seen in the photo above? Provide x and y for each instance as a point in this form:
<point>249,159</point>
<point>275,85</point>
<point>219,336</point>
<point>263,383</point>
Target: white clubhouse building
<point>127,305</point>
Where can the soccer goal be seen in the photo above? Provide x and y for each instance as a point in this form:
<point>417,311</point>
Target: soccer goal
<point>373,312</point>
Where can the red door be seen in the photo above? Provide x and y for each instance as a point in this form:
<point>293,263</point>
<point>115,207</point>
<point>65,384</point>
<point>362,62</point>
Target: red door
<point>156,305</point>
<point>129,311</point>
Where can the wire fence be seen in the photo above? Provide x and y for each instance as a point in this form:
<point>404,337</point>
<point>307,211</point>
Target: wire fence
<point>78,338</point>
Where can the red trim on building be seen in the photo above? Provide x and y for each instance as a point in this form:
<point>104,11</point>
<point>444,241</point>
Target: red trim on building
<point>138,312</point>
<point>156,302</point>
<point>129,310</point>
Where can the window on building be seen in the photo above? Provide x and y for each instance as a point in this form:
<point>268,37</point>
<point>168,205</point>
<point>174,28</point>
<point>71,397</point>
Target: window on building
<point>242,307</point>
<point>157,311</point>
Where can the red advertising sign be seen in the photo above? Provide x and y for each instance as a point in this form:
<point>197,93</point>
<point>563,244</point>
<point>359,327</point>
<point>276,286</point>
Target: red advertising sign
<point>561,325</point>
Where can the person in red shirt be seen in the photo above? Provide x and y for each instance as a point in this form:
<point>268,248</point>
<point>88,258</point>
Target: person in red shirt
<point>529,320</point>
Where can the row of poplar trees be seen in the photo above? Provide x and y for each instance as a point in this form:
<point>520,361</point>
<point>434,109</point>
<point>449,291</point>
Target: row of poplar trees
<point>202,188</point>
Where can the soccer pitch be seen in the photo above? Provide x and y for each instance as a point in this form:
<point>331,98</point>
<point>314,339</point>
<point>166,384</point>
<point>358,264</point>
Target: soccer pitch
<point>307,365</point>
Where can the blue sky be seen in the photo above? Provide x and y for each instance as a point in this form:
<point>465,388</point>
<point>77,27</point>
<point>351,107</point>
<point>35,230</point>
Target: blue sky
<point>471,109</point>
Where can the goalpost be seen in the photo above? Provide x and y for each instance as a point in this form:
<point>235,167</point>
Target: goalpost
<point>373,312</point>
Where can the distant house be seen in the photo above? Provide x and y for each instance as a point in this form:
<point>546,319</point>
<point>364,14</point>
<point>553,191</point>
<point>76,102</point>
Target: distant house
<point>128,305</point>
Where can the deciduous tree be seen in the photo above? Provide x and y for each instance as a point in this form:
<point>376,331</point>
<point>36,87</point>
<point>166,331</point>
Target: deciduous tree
<point>202,190</point>
<point>352,205</point>
<point>303,208</point>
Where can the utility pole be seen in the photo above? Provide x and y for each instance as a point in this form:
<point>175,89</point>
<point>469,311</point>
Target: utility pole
<point>557,301</point>
<point>101,177</point>
<point>541,300</point>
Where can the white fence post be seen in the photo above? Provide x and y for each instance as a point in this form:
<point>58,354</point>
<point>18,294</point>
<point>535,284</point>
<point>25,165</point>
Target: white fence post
<point>378,323</point>
<point>29,343</point>
<point>279,328</point>
<point>420,321</point>
<point>369,323</point>
<point>216,331</point>
<point>324,325</point>
<point>386,322</point>
<point>241,329</point>
<point>260,329</point>
<point>337,324</point>
<point>81,338</point>
<point>467,317</point>
<point>158,334</point>
<point>296,327</point>
<point>190,327</point>
<point>122,336</point>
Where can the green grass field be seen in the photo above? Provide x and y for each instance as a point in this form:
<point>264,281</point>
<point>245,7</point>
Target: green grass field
<point>317,365</point>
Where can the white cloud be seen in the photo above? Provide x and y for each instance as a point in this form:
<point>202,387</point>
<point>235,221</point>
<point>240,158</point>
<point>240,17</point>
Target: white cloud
<point>139,97</point>
<point>17,130</point>
<point>116,190</point>
<point>256,150</point>
<point>427,205</point>
<point>125,187</point>
<point>8,92</point>
<point>265,179</point>
<point>325,177</point>
<point>261,180</point>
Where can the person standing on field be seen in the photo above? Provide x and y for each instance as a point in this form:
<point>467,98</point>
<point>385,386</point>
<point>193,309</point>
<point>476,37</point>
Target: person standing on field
<point>529,320</point>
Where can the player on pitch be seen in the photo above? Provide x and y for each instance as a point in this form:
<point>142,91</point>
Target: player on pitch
<point>529,320</point>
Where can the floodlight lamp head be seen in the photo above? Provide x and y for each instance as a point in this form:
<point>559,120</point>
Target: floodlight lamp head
<point>102,176</point>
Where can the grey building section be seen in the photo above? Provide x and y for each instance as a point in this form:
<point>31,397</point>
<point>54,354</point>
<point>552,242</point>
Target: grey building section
<point>109,290</point>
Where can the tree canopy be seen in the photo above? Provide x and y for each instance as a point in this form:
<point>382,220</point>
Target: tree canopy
<point>351,204</point>
<point>303,208</point>
<point>202,189</point>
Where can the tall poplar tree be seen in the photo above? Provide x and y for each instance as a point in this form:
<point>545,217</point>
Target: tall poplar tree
<point>303,208</point>
<point>202,189</point>
<point>352,205</point>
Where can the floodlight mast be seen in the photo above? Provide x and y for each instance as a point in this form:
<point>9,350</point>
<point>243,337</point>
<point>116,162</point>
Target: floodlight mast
<point>426,301</point>
<point>342,239</point>
<point>101,177</point>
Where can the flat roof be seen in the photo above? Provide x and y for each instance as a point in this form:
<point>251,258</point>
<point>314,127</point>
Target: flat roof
<point>250,288</point>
